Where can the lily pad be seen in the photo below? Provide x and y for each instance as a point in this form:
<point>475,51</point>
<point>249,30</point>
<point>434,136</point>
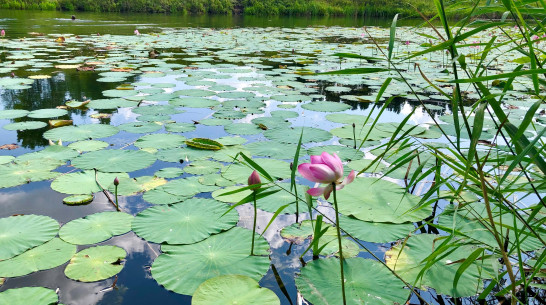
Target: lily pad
<point>375,232</point>
<point>233,289</point>
<point>202,167</point>
<point>187,187</point>
<point>20,233</point>
<point>29,295</point>
<point>239,173</point>
<point>160,141</point>
<point>186,222</point>
<point>95,263</point>
<point>343,152</point>
<point>169,172</point>
<point>83,182</point>
<point>81,132</point>
<point>10,114</point>
<point>183,268</point>
<point>160,196</point>
<point>49,255</point>
<point>78,199</point>
<point>95,228</point>
<point>88,145</point>
<point>366,282</point>
<point>22,172</point>
<point>47,113</point>
<point>292,135</point>
<point>325,106</point>
<point>112,160</point>
<point>140,127</point>
<point>180,127</point>
<point>28,125</point>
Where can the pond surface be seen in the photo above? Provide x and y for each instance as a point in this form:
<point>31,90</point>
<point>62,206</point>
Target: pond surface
<point>237,79</point>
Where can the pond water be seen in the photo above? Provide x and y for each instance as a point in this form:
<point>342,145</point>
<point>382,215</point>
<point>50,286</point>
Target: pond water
<point>210,77</point>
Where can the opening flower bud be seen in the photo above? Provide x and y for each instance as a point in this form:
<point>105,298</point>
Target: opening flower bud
<point>254,179</point>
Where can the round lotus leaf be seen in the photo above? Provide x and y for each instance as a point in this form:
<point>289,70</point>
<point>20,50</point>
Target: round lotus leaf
<point>215,122</point>
<point>226,154</point>
<point>376,232</point>
<point>28,125</point>
<point>361,164</point>
<point>20,233</point>
<point>231,140</point>
<point>53,152</point>
<point>184,154</point>
<point>119,93</point>
<point>88,145</point>
<point>271,122</point>
<point>22,172</point>
<point>286,106</point>
<point>292,135</point>
<point>242,129</point>
<point>78,199</point>
<point>160,196</point>
<point>236,94</point>
<point>325,106</point>
<point>187,187</point>
<point>113,160</point>
<point>366,282</point>
<point>83,182</point>
<point>95,264</point>
<point>229,114</point>
<point>95,228</point>
<point>133,186</point>
<point>183,268</point>
<point>49,255</point>
<point>169,172</point>
<point>377,200</point>
<point>233,289</point>
<point>10,114</point>
<point>284,114</point>
<point>160,141</point>
<point>243,104</point>
<point>29,295</point>
<point>195,92</point>
<point>47,113</point>
<point>274,149</point>
<point>194,102</point>
<point>347,118</point>
<point>112,103</point>
<point>140,127</point>
<point>186,222</point>
<point>82,132</point>
<point>6,159</point>
<point>215,179</point>
<point>343,152</point>
<point>156,110</point>
<point>239,173</point>
<point>202,167</point>
<point>409,258</point>
<point>180,127</point>
<point>375,134</point>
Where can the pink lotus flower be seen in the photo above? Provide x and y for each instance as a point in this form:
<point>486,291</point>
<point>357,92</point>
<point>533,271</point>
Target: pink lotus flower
<point>407,42</point>
<point>253,179</point>
<point>326,169</point>
<point>2,33</point>
<point>137,32</point>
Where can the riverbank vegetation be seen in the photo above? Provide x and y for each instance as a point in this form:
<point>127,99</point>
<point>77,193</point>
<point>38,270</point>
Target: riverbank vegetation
<point>249,7</point>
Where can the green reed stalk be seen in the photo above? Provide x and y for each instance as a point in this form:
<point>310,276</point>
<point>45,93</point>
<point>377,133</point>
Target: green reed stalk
<point>254,226</point>
<point>341,259</point>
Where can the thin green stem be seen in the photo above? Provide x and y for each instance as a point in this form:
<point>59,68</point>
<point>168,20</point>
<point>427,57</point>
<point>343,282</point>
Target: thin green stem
<point>116,194</point>
<point>254,226</point>
<point>341,259</point>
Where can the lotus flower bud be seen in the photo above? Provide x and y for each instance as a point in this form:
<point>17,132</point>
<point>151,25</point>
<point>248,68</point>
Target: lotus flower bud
<point>116,181</point>
<point>254,179</point>
<point>2,33</point>
<point>137,32</point>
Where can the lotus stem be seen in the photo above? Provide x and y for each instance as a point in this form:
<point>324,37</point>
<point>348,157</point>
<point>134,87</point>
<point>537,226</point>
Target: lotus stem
<point>340,248</point>
<point>354,135</point>
<point>254,226</point>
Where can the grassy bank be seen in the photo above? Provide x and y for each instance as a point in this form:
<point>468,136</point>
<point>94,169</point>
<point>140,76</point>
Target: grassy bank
<point>249,7</point>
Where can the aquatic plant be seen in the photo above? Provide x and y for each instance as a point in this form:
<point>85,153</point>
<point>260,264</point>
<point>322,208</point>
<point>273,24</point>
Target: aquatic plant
<point>254,180</point>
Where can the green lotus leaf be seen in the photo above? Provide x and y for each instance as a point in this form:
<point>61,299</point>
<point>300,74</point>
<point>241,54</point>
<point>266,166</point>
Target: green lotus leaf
<point>113,160</point>
<point>343,152</point>
<point>325,106</point>
<point>292,135</point>
<point>274,149</point>
<point>53,152</point>
<point>182,268</point>
<point>6,159</point>
<point>233,289</point>
<point>239,173</point>
<point>46,256</point>
<point>10,114</point>
<point>361,164</point>
<point>186,222</point>
<point>22,172</point>
<point>29,295</point>
<point>180,127</point>
<point>215,122</point>
<point>194,102</point>
<point>84,182</point>
<point>376,232</point>
<point>160,196</point>
<point>195,92</point>
<point>140,127</point>
<point>95,263</point>
<point>231,140</point>
<point>284,114</point>
<point>215,179</point>
<point>242,129</point>
<point>95,228</point>
<point>187,187</point>
<point>112,103</point>
<point>88,145</point>
<point>20,233</point>
<point>266,123</point>
<point>133,186</point>
<point>160,141</point>
<point>366,282</point>
<point>81,132</point>
<point>119,93</point>
<point>180,155</point>
<point>347,118</point>
<point>169,172</point>
<point>28,125</point>
<point>156,110</point>
<point>376,200</point>
<point>408,261</point>
<point>78,199</point>
<point>47,113</point>
<point>204,143</point>
<point>229,114</point>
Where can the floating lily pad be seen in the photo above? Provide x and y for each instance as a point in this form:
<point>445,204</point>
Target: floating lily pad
<point>140,127</point>
<point>239,173</point>
<point>78,199</point>
<point>29,295</point>
<point>183,268</point>
<point>83,182</point>
<point>274,149</point>
<point>194,102</point>
<point>88,145</point>
<point>82,132</point>
<point>47,113</point>
<point>169,172</point>
<point>233,289</point>
<point>22,172</point>
<point>10,114</point>
<point>343,152</point>
<point>112,160</point>
<point>366,282</point>
<point>160,196</point>
<point>242,129</point>
<point>49,255</point>
<point>203,167</point>
<point>133,186</point>
<point>95,263</point>
<point>184,223</point>
<point>95,228</point>
<point>53,152</point>
<point>325,106</point>
<point>215,179</point>
<point>409,260</point>
<point>231,140</point>
<point>160,141</point>
<point>180,127</point>
<point>377,200</point>
<point>292,135</point>
<point>6,159</point>
<point>375,232</point>
<point>187,187</point>
<point>20,233</point>
<point>28,125</point>
<point>112,103</point>
<point>180,155</point>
